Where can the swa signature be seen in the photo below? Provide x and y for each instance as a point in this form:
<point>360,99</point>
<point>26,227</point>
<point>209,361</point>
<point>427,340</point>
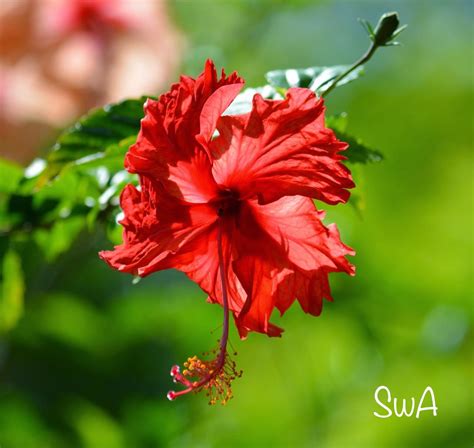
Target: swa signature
<point>403,410</point>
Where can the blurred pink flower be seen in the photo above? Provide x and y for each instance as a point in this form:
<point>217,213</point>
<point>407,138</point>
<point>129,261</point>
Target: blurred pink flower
<point>97,16</point>
<point>62,57</point>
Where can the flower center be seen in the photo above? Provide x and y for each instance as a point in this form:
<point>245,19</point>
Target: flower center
<point>227,202</point>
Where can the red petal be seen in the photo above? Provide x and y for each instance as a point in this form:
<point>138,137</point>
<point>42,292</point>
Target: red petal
<point>256,273</point>
<point>285,253</point>
<point>158,230</point>
<point>172,144</point>
<point>281,148</point>
<point>203,268</point>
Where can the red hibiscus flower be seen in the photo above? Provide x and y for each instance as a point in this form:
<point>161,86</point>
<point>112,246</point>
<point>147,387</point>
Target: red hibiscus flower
<point>233,209</point>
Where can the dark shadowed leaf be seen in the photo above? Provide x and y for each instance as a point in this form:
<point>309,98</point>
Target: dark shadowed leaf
<point>357,152</point>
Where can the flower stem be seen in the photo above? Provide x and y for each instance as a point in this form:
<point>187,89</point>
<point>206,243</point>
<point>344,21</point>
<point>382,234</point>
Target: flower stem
<point>225,299</point>
<point>218,373</point>
<point>363,59</point>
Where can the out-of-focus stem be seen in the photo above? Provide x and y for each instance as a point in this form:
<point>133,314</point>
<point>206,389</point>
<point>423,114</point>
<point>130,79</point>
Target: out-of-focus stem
<point>364,58</point>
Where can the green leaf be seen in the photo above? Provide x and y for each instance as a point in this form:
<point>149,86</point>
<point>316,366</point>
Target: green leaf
<point>338,123</point>
<point>93,134</point>
<point>358,152</point>
<point>10,175</point>
<point>11,301</point>
<point>59,237</point>
<point>243,102</point>
<point>79,181</point>
<point>112,158</point>
<point>368,27</point>
<point>318,79</point>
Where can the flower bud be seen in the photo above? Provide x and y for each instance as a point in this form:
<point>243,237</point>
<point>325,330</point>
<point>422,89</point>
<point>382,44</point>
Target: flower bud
<point>385,29</point>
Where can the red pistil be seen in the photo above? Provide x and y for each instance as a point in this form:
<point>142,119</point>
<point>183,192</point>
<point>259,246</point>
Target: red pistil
<point>214,376</point>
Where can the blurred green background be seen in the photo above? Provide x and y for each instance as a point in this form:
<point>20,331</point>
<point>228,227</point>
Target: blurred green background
<point>88,363</point>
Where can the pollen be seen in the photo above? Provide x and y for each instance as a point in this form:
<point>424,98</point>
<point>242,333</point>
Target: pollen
<point>215,377</point>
